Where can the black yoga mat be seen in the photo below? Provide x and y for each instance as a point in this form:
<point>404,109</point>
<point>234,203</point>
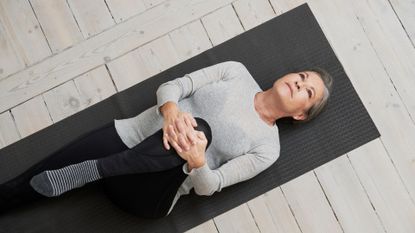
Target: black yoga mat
<point>290,42</point>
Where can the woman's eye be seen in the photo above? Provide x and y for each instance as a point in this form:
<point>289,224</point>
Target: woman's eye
<point>309,93</point>
<point>302,76</point>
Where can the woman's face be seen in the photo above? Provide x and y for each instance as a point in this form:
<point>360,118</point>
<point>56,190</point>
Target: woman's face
<point>297,92</point>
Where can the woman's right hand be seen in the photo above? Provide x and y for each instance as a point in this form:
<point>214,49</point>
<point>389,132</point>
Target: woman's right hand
<point>177,122</point>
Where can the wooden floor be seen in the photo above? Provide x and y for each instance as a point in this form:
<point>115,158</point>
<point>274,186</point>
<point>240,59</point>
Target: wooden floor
<point>58,57</point>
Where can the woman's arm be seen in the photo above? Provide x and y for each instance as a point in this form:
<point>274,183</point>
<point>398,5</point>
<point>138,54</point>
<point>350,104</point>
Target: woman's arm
<point>207,181</point>
<point>171,92</point>
<point>183,87</point>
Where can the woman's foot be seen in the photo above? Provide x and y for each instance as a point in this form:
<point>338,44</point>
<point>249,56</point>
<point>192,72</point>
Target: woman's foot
<point>55,182</point>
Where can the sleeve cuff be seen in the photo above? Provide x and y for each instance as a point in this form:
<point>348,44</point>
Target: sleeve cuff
<point>200,170</point>
<point>158,111</point>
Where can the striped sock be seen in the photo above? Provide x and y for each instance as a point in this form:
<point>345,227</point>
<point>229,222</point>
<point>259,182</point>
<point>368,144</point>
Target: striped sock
<point>55,182</point>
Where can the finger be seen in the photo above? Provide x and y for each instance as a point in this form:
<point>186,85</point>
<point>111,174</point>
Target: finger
<point>194,122</point>
<point>190,132</point>
<point>188,122</point>
<point>176,146</point>
<point>165,142</point>
<point>191,119</point>
<point>173,138</point>
<point>185,131</point>
<point>172,133</point>
<point>204,138</point>
<point>201,135</point>
<point>180,125</point>
<point>192,137</point>
<point>183,142</point>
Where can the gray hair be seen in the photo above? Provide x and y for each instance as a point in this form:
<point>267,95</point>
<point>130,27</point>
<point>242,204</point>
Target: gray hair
<point>316,109</point>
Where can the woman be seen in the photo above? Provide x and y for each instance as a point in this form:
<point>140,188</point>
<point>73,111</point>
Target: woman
<point>144,176</point>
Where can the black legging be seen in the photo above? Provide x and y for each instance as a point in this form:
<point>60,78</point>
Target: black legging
<point>148,194</point>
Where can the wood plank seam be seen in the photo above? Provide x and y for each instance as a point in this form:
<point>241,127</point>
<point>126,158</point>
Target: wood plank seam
<point>93,57</point>
<point>237,16</point>
<point>397,171</point>
<point>112,79</point>
<point>43,32</point>
<point>328,200</point>
<point>77,24</point>
<point>109,10</point>
<point>385,69</point>
<point>291,209</point>
<point>402,24</point>
<point>367,194</point>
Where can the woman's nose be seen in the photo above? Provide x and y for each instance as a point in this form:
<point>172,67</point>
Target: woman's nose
<point>299,84</point>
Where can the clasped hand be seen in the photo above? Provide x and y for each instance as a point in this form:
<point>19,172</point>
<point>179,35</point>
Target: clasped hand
<point>190,144</point>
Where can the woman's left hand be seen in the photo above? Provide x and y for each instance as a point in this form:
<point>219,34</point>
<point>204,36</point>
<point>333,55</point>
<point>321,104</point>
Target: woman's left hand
<point>195,155</point>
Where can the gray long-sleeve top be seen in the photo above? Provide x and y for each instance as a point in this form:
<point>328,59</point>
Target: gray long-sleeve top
<point>243,145</point>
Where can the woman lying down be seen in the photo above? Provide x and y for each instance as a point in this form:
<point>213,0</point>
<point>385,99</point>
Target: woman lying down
<point>210,129</point>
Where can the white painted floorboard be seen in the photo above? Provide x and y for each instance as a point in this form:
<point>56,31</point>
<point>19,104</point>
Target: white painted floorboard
<point>68,55</point>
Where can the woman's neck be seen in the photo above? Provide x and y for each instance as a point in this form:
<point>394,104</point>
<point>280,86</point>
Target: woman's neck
<point>265,105</point>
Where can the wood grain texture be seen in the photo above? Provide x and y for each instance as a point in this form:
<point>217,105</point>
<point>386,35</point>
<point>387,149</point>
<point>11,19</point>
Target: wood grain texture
<point>124,9</point>
<point>10,59</point>
<point>101,49</point>
<point>61,32</point>
<point>26,32</point>
<point>370,189</point>
<point>92,16</point>
<point>404,10</point>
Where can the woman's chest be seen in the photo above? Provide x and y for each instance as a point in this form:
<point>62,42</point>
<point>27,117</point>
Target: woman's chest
<point>231,137</point>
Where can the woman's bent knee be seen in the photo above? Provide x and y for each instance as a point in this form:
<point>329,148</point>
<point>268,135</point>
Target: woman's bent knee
<point>203,126</point>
